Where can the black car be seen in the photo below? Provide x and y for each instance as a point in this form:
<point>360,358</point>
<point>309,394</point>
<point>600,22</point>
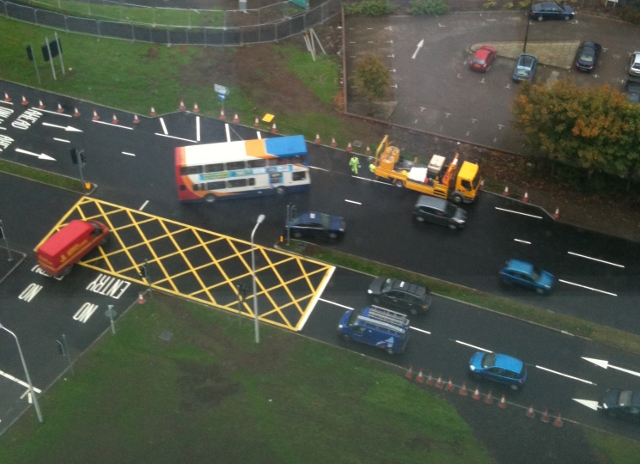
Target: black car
<point>314,224</point>
<point>632,89</point>
<point>551,10</point>
<point>622,403</point>
<point>587,56</point>
<point>398,294</point>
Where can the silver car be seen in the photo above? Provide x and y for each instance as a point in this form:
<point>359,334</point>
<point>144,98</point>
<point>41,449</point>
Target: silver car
<point>634,64</point>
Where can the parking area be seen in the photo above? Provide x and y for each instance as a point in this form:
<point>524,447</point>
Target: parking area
<point>434,89</point>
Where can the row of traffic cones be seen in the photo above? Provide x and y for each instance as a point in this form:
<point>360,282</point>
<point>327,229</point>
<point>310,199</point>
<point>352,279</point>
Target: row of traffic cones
<point>335,144</point>
<point>525,198</point>
<point>463,391</point>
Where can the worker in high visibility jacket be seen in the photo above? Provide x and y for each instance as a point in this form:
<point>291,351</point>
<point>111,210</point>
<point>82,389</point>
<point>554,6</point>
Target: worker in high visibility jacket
<point>353,162</point>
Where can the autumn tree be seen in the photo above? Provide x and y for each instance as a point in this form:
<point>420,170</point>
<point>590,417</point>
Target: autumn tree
<point>594,128</point>
<point>372,77</point>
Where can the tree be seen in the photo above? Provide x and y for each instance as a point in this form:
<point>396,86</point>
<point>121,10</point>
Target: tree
<point>372,77</point>
<point>594,128</point>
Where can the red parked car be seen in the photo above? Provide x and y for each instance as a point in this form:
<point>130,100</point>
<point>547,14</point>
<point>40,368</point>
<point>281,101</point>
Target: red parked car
<point>483,58</point>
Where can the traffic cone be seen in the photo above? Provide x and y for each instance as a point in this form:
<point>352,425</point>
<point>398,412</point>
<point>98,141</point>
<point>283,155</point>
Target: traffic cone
<point>40,104</point>
<point>429,379</point>
<point>439,382</point>
<point>409,373</point>
<point>463,389</point>
<point>349,148</point>
<point>420,378</point>
<point>489,398</point>
<point>114,120</point>
<point>449,386</point>
<point>256,123</point>
<point>60,108</point>
<point>368,152</point>
<point>530,412</point>
<point>195,108</point>
<point>76,113</point>
<point>506,191</point>
<point>95,115</point>
<point>545,417</point>
<point>317,138</point>
<point>153,111</point>
<point>222,115</point>
<point>6,97</point>
<point>333,142</point>
<point>24,101</point>
<point>481,184</point>
<point>476,394</point>
<point>503,403</point>
<point>135,119</point>
<point>236,119</point>
<point>556,215</point>
<point>273,128</point>
<point>526,197</point>
<point>140,298</point>
<point>182,107</point>
<point>558,422</point>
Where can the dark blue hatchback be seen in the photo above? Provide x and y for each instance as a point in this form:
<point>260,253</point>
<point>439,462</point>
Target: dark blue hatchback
<point>499,368</point>
<point>551,10</point>
<point>314,224</point>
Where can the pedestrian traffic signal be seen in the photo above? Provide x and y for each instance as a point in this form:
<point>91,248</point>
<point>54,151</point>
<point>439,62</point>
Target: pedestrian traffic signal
<point>83,157</point>
<point>60,348</point>
<point>74,155</point>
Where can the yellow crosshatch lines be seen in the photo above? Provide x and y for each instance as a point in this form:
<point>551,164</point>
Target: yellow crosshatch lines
<point>201,265</point>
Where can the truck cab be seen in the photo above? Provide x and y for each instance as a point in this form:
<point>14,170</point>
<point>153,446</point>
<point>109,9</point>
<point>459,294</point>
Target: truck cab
<point>376,326</point>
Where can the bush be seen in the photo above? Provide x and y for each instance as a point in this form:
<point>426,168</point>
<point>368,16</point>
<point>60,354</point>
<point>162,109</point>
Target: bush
<point>428,7</point>
<point>630,14</point>
<point>370,8</point>
<point>490,4</point>
<point>508,5</point>
<point>523,5</point>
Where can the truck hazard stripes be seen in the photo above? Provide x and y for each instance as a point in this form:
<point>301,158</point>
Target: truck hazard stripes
<point>201,265</point>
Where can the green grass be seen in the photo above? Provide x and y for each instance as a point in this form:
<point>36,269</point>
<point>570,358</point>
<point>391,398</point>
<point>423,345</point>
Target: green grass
<point>211,391</point>
<point>41,176</point>
<point>618,450</point>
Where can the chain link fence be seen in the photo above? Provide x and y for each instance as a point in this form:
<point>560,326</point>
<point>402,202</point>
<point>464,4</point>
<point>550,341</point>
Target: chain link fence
<point>230,27</point>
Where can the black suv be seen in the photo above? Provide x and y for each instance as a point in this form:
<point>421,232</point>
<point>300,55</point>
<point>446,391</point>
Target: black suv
<point>398,294</point>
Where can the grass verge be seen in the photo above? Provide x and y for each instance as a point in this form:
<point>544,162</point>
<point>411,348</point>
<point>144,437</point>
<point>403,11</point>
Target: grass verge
<point>41,176</point>
<point>598,333</point>
<point>211,393</point>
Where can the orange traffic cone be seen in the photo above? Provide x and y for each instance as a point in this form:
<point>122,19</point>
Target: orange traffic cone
<point>182,107</point>
<point>545,417</point>
<point>256,123</point>
<point>195,108</point>
<point>476,394</point>
<point>24,101</point>
<point>135,119</point>
<point>317,138</point>
<point>349,148</point>
<point>222,114</point>
<point>463,389</point>
<point>558,422</point>
<point>333,142</point>
<point>449,386</point>
<point>95,115</point>
<point>503,403</point>
<point>526,197</point>
<point>482,183</point>
<point>40,104</point>
<point>60,108</point>
<point>76,113</point>
<point>274,129</point>
<point>429,379</point>
<point>236,119</point>
<point>368,152</point>
<point>530,412</point>
<point>556,215</point>
<point>153,111</point>
<point>6,97</point>
<point>439,382</point>
<point>420,378</point>
<point>506,191</point>
<point>114,119</point>
<point>489,398</point>
<point>409,373</point>
<point>140,298</point>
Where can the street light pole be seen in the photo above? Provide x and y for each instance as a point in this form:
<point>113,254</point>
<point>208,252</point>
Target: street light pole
<point>26,373</point>
<point>526,34</point>
<point>253,274</point>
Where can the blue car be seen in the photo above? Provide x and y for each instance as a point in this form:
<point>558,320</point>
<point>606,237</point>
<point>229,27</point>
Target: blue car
<point>498,368</point>
<point>525,69</point>
<point>313,224</point>
<point>527,275</point>
<point>551,10</point>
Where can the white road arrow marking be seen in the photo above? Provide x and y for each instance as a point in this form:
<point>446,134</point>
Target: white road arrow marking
<point>66,129</point>
<point>41,156</point>
<point>420,44</point>
<point>588,403</point>
<point>605,364</point>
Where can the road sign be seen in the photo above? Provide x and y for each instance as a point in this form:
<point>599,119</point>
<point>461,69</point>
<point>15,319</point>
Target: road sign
<point>221,89</point>
<point>221,96</point>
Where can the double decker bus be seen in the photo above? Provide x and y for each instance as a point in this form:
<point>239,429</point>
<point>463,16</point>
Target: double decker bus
<point>241,169</point>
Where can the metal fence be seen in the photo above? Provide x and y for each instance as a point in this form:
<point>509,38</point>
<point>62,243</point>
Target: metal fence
<point>228,34</point>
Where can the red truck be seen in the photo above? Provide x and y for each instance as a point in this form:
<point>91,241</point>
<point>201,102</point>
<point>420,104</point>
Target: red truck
<point>58,253</point>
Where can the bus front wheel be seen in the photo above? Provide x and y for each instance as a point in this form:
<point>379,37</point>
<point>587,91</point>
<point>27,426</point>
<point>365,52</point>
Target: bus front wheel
<point>210,198</point>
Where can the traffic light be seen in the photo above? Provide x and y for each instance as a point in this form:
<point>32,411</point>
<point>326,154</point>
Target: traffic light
<point>143,272</point>
<point>60,348</point>
<point>74,155</point>
<point>83,157</point>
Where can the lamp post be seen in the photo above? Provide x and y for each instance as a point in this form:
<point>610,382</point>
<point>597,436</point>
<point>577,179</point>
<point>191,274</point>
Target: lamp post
<point>253,274</point>
<point>26,373</point>
<point>526,34</point>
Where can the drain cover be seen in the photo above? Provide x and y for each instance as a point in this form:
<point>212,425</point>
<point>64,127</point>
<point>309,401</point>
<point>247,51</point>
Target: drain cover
<point>166,335</point>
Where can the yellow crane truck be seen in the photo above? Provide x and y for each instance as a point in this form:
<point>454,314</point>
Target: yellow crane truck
<point>459,186</point>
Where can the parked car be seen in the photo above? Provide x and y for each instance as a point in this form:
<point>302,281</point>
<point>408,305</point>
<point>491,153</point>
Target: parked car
<point>314,224</point>
<point>499,368</point>
<point>632,89</point>
<point>527,275</point>
<point>634,64</point>
<point>439,211</point>
<point>551,10</point>
<point>587,56</point>
<point>622,403</point>
<point>483,57</point>
<point>401,295</point>
<point>525,69</point>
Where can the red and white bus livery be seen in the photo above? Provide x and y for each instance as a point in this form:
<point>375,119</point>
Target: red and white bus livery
<point>244,168</point>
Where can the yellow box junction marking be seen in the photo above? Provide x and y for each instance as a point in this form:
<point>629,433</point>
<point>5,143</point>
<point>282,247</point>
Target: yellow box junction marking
<point>201,265</point>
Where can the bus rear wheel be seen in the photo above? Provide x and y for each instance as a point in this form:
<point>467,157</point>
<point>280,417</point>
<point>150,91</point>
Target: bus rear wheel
<point>281,191</point>
<point>210,198</point>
